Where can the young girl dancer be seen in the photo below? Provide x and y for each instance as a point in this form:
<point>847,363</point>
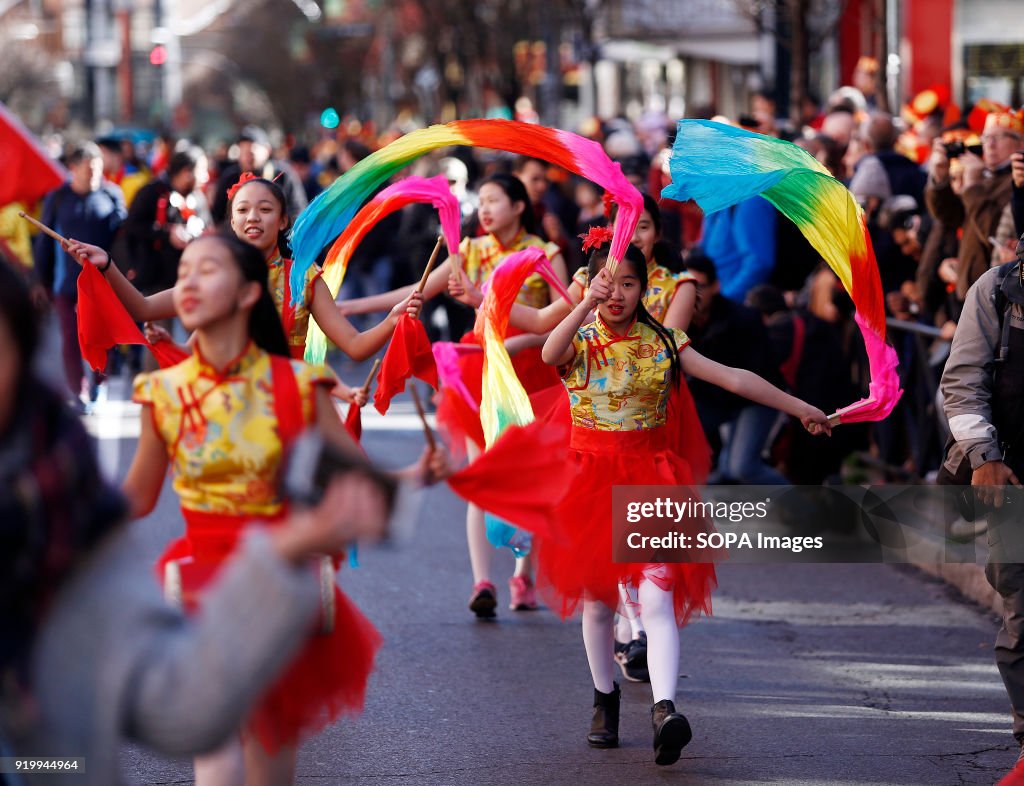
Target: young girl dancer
<point>669,298</point>
<point>222,420</point>
<point>619,371</point>
<point>259,216</point>
<point>505,214</point>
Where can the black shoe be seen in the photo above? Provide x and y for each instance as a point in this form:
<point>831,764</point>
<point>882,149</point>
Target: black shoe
<point>484,600</point>
<point>604,728</point>
<point>632,659</point>
<point>671,732</point>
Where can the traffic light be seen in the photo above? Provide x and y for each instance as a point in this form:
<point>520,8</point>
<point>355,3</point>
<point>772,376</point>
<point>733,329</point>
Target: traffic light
<point>158,55</point>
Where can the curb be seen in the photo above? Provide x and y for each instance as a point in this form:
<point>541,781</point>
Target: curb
<point>968,578</point>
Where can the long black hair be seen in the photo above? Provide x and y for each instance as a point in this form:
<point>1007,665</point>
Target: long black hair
<point>282,200</point>
<point>516,192</point>
<point>663,253</point>
<point>635,259</point>
<point>264,321</point>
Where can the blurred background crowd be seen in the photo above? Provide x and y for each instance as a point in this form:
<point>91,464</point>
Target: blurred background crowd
<point>151,150</point>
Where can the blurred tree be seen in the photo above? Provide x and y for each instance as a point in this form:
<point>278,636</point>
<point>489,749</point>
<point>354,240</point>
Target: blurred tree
<point>476,42</point>
<point>801,27</point>
<point>258,37</point>
<point>28,84</point>
<point>418,60</point>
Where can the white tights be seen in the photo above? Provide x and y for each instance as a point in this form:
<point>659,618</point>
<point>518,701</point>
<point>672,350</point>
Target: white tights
<point>662,641</point>
<point>628,625</point>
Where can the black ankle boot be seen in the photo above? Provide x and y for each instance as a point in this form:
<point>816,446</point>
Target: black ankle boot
<point>604,729</point>
<point>671,732</point>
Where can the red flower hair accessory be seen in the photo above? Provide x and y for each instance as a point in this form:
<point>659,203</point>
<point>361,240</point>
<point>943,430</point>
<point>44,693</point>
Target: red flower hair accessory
<point>242,180</point>
<point>596,237</point>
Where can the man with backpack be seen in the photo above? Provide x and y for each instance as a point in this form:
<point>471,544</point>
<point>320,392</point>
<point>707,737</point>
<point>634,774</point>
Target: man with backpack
<point>982,386</point>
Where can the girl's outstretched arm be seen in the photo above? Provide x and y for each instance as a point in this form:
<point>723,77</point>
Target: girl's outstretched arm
<point>437,281</point>
<point>751,386</point>
<point>343,333</point>
<point>140,307</point>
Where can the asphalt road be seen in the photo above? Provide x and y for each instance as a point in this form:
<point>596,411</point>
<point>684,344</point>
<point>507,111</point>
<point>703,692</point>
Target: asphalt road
<point>806,674</point>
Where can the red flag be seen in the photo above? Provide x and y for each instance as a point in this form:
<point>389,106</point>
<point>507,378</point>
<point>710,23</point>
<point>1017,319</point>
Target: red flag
<point>408,355</point>
<point>354,421</point>
<point>29,174</point>
<point>522,477</point>
<point>103,323</point>
<point>1014,777</point>
<point>166,353</point>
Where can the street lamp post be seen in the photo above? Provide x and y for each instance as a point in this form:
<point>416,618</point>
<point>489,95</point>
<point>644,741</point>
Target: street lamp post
<point>123,13</point>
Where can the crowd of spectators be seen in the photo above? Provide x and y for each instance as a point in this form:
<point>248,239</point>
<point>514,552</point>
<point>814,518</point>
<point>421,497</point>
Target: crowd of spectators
<point>942,190</point>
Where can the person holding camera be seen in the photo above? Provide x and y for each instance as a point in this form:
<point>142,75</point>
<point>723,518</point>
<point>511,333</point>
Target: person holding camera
<point>222,420</point>
<point>91,655</point>
<point>981,387</point>
<point>163,218</point>
<point>986,192</point>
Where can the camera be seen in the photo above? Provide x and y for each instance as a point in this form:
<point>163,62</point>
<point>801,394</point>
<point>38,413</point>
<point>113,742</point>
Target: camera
<point>313,461</point>
<point>957,148</point>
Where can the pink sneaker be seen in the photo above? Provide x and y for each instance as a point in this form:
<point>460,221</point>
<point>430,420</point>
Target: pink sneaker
<point>524,596</point>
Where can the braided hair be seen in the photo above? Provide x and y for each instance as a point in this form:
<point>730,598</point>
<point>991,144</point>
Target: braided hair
<point>635,259</point>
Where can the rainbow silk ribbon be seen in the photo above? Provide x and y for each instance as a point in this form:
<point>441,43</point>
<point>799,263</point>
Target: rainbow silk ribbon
<point>334,209</point>
<point>719,166</point>
<point>434,191</point>
<point>503,400</point>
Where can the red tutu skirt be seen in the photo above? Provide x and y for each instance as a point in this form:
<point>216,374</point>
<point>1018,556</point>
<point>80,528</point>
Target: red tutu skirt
<point>326,679</point>
<point>457,418</point>
<point>578,564</point>
<point>684,433</point>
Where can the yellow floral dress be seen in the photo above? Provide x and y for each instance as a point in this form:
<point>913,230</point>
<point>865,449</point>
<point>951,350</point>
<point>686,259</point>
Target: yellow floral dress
<point>619,383</point>
<point>619,388</point>
<point>225,432</point>
<point>480,255</point>
<point>221,430</point>
<point>294,319</point>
